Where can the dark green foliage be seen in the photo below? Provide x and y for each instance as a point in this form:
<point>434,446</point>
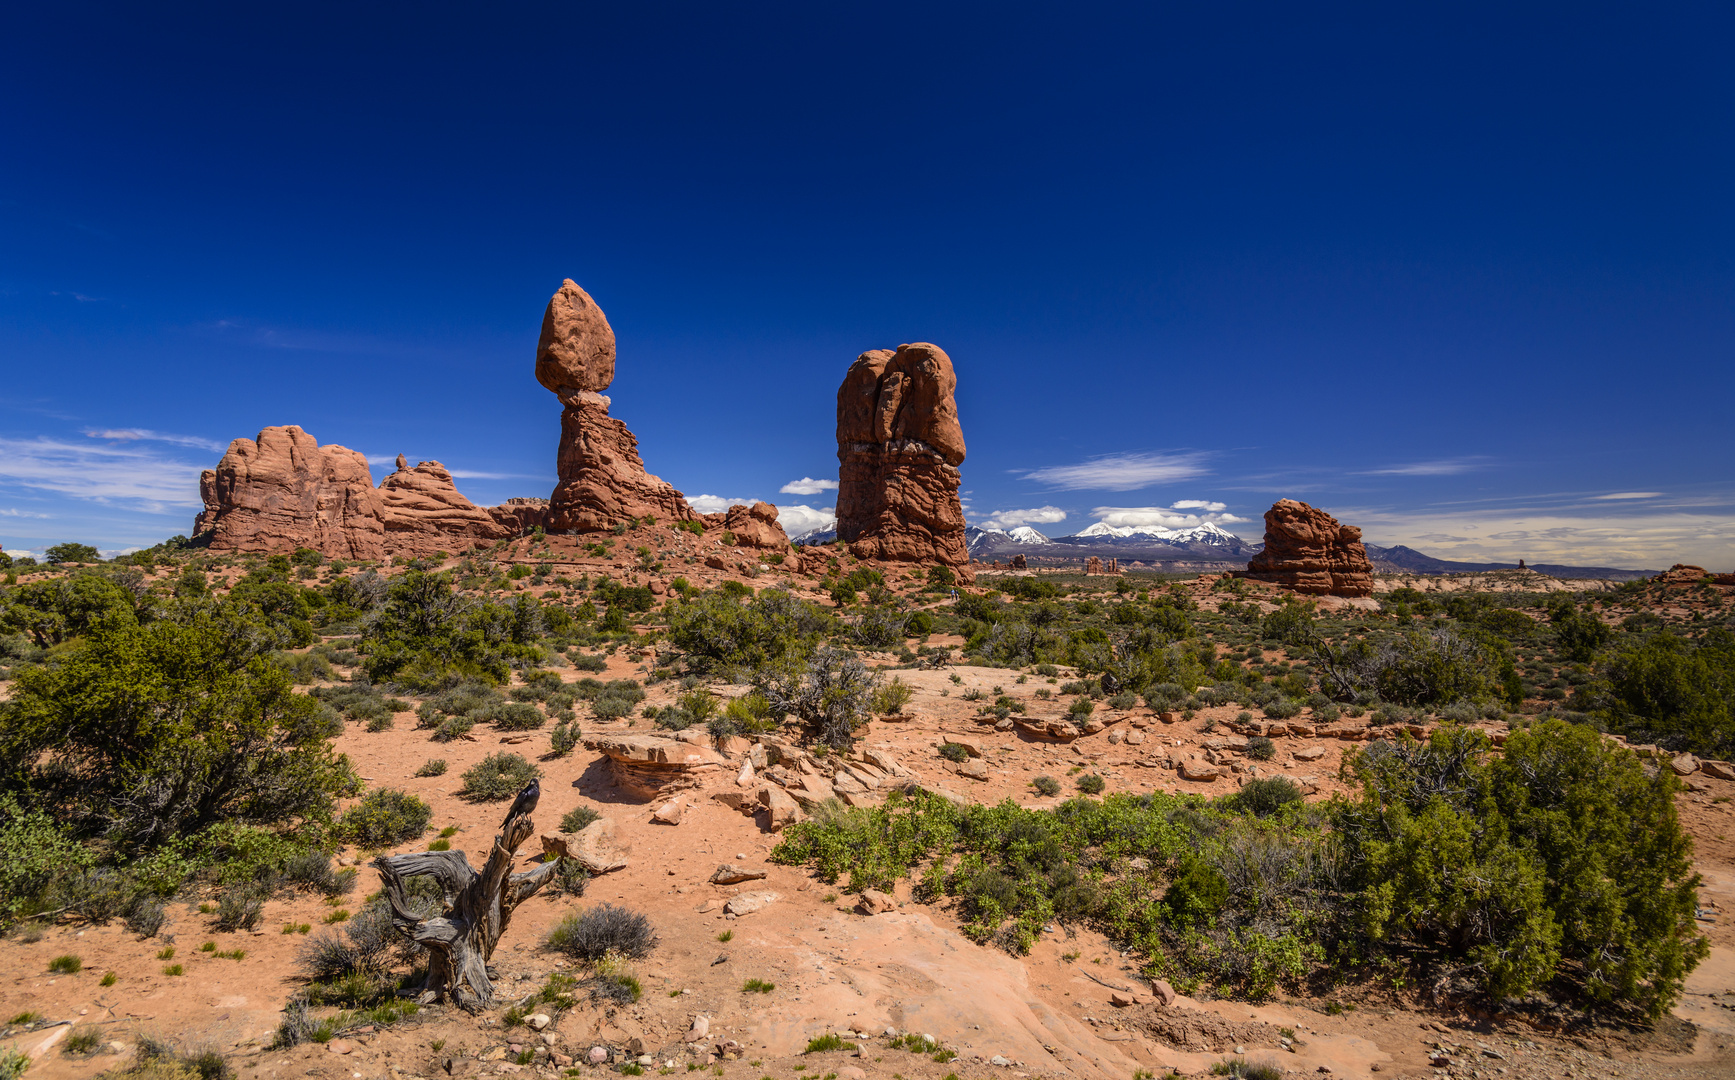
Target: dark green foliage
<point>63,608</point>
<point>517,716</point>
<point>385,816</point>
<point>1259,748</point>
<point>723,630</point>
<point>563,739</point>
<point>432,767</point>
<point>149,733</point>
<point>71,553</point>
<point>1046,785</point>
<point>1090,784</point>
<point>597,931</point>
<point>1267,795</point>
<point>1676,692</point>
<point>428,638</point>
<point>954,752</point>
<point>1580,634</point>
<point>590,663</point>
<point>941,577</point>
<point>498,776</point>
<point>1558,858</point>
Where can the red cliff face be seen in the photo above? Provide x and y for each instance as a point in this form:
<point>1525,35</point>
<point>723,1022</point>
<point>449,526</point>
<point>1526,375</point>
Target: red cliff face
<point>1308,551</point>
<point>284,491</point>
<point>899,445</point>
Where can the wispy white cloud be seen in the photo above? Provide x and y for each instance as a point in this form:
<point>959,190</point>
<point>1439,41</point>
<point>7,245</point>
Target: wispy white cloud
<point>1011,519</point>
<point>1120,472</point>
<point>1629,495</point>
<point>1443,467</point>
<point>472,474</point>
<point>1652,539</point>
<point>127,473</point>
<point>144,434</point>
<point>807,485</point>
<point>1199,504</point>
<point>1163,517</point>
<point>716,504</point>
<point>16,513</point>
<point>804,519</point>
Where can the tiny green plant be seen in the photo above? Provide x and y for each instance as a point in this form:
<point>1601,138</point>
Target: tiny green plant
<point>757,986</point>
<point>437,1045</point>
<point>66,965</point>
<point>829,898</point>
<point>206,909</point>
<point>297,928</point>
<point>828,1041</point>
<point>166,953</point>
<point>174,969</point>
<point>727,935</point>
<point>448,831</point>
<point>945,1056</point>
<point>632,1068</point>
<point>440,845</point>
<point>209,946</point>
<point>109,978</point>
<point>25,1018</point>
<point>232,954</point>
<point>83,1040</point>
<point>340,915</point>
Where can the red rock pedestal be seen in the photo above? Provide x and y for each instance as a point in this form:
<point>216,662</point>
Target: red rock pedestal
<point>899,445</point>
<point>1307,551</point>
<point>603,481</point>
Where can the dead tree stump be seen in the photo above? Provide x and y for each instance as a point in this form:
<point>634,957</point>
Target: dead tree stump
<point>479,907</point>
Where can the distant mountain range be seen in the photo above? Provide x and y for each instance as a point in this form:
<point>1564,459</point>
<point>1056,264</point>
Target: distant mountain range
<point>1203,548</point>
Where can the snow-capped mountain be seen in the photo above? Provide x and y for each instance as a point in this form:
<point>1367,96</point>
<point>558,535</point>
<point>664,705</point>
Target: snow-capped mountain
<point>986,541</point>
<point>1206,533</point>
<point>825,534</point>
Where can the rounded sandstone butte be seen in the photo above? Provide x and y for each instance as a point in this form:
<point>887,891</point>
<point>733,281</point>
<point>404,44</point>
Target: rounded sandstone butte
<point>1308,551</point>
<point>756,526</point>
<point>284,491</point>
<point>899,445</point>
<point>424,512</point>
<point>575,354</point>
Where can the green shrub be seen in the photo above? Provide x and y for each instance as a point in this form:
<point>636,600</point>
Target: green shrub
<point>577,818</point>
<point>66,965</point>
<point>954,752</point>
<point>517,716</point>
<point>889,698</point>
<point>604,929</point>
<point>1046,785</point>
<point>1081,707</point>
<point>1672,691</point>
<point>829,693</point>
<point>385,816</point>
<point>757,986</point>
<point>432,767</point>
<point>1266,796</point>
<point>500,775</point>
<point>1259,748</point>
<point>1090,784</point>
<point>828,1042</point>
<point>239,908</point>
<point>563,739</point>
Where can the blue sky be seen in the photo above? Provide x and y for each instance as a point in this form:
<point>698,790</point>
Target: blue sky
<point>1460,274</point>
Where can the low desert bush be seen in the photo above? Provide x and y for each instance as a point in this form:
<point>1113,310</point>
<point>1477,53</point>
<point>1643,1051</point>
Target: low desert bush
<point>954,752</point>
<point>432,767</point>
<point>577,818</point>
<point>498,776</point>
<point>890,698</point>
<point>591,934</point>
<point>385,816</point>
<point>1046,785</point>
<point>563,739</point>
<point>1260,748</point>
<point>1091,784</point>
<point>240,907</point>
<point>1266,796</point>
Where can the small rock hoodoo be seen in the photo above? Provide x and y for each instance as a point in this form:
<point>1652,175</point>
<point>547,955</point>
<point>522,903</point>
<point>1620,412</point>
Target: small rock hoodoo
<point>899,445</point>
<point>603,481</point>
<point>1306,550</point>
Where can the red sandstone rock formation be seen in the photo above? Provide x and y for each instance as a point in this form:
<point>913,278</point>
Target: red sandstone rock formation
<point>1307,551</point>
<point>1019,562</point>
<point>425,513</point>
<point>1682,574</point>
<point>756,526</point>
<point>602,478</point>
<point>284,491</point>
<point>899,445</point>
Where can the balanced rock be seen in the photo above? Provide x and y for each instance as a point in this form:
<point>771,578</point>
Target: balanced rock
<point>899,445</point>
<point>1307,551</point>
<point>284,491</point>
<point>603,481</point>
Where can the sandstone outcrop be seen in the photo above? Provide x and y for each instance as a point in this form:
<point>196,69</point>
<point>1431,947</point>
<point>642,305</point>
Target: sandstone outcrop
<point>425,513</point>
<point>284,491</point>
<point>603,481</point>
<point>647,766</point>
<point>756,526</point>
<point>1307,551</point>
<point>899,445</point>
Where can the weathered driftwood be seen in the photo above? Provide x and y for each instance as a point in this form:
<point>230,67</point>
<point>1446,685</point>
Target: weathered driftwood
<point>479,907</point>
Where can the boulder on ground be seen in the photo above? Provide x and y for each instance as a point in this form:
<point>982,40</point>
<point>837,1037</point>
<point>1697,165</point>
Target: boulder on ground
<point>650,765</point>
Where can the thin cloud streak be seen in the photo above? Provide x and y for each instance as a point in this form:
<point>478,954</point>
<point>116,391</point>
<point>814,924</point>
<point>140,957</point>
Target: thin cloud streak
<point>1120,472</point>
<point>145,434</point>
<point>99,473</point>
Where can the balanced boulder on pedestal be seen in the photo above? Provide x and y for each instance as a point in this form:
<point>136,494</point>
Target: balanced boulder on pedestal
<point>603,481</point>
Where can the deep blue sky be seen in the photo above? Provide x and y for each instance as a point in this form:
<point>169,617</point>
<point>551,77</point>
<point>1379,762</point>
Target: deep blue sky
<point>1457,274</point>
